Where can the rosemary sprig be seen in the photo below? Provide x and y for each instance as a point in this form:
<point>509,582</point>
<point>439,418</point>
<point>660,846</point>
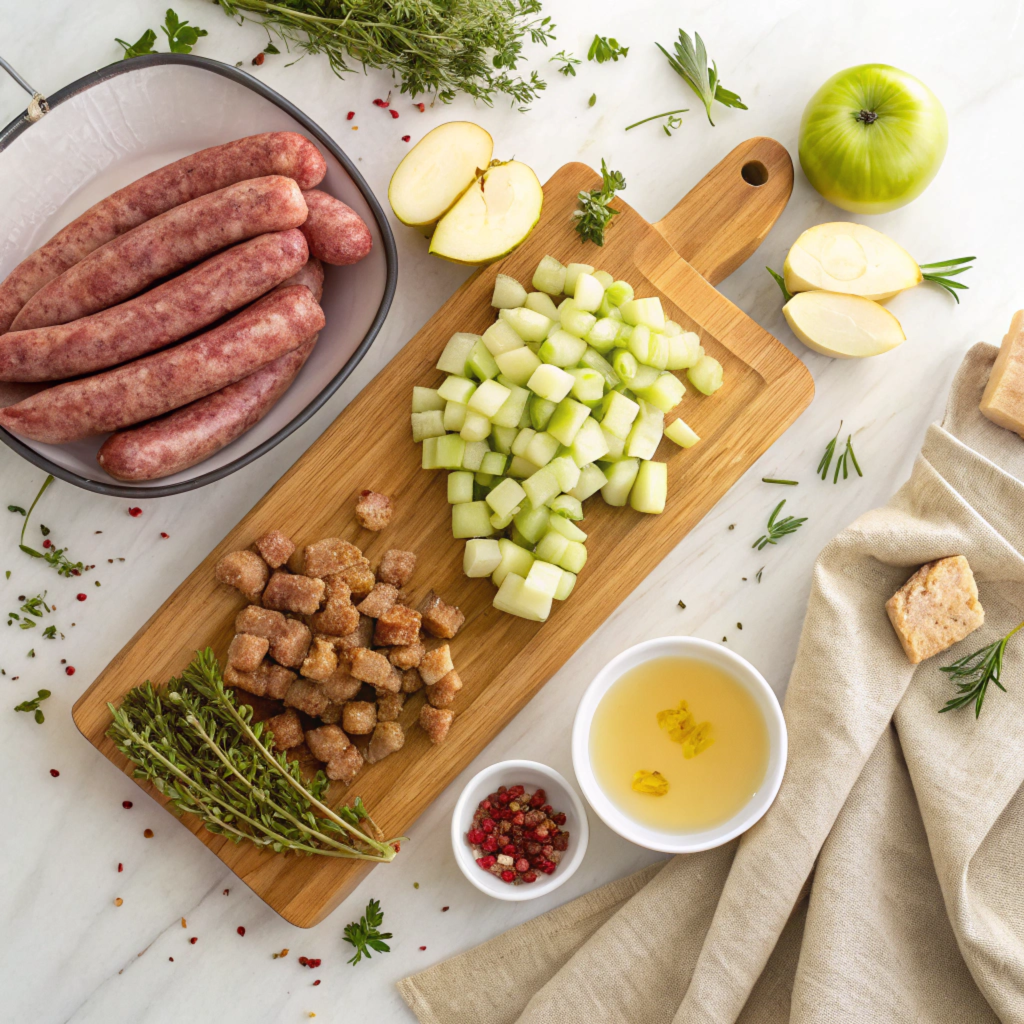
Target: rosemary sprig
<point>846,458</point>
<point>594,213</point>
<point>775,480</point>
<point>972,674</point>
<point>690,62</point>
<point>364,933</point>
<point>201,750</point>
<point>944,270</point>
<point>33,706</point>
<point>604,48</point>
<point>777,528</point>
<point>568,62</point>
<point>781,282</point>
<point>669,126</point>
<point>440,47</point>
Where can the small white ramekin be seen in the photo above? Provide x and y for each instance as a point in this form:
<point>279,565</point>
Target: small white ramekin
<point>560,795</point>
<point>741,670</point>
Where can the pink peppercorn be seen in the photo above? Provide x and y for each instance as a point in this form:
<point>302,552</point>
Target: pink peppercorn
<point>240,929</point>
<point>126,804</point>
<point>350,115</point>
<point>421,107</point>
<point>54,772</point>
<point>393,113</point>
<point>70,670</point>
<point>81,597</point>
<point>406,138</point>
<point>47,543</point>
<point>134,511</point>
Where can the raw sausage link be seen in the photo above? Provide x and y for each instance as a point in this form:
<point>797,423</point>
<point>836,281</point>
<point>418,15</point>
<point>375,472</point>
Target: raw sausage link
<point>335,232</point>
<point>311,275</point>
<point>191,434</point>
<point>284,153</point>
<point>163,246</point>
<point>167,380</point>
<point>167,313</point>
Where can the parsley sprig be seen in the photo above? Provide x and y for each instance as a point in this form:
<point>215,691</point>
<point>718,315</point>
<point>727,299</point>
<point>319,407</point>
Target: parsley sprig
<point>364,933</point>
<point>594,213</point>
<point>32,706</point>
<point>972,674</point>
<point>568,62</point>
<point>777,529</point>
<point>690,62</point>
<point>181,37</point>
<point>605,48</point>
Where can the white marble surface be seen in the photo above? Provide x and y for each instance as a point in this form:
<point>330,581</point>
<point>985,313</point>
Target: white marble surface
<point>66,952</point>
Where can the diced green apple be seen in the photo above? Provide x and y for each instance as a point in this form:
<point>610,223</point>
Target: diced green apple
<point>541,302</point>
<point>562,349</point>
<point>588,293</point>
<point>475,427</point>
<point>683,435</point>
<point>481,363</point>
<point>621,476</point>
<point>489,398</point>
<point>426,400</point>
<point>506,498</point>
<point>565,585</point>
<point>427,424</point>
<point>481,558</point>
<point>510,413</point>
<point>508,293</point>
<point>544,578</point>
<point>572,271</point>
<point>460,487</point>
<point>514,598</point>
<point>492,463</point>
<point>549,276</point>
<point>650,489</point>
<point>471,519</point>
<point>530,326</point>
<point>532,523</point>
<point>566,420</point>
<point>588,445</point>
<point>541,448</point>
<point>542,486</point>
<point>647,312</point>
<point>566,527</point>
<point>706,376</point>
<point>513,559</point>
<point>500,337</point>
<point>592,479</point>
<point>665,393</point>
<point>618,414</point>
<point>474,455</point>
<point>518,365</point>
<point>456,353</point>
<point>550,382</point>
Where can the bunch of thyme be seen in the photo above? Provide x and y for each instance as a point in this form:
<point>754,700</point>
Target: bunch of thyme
<point>594,211</point>
<point>200,748</point>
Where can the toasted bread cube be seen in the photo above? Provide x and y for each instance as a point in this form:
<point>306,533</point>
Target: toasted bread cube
<point>246,651</point>
<point>389,706</point>
<point>373,510</point>
<point>440,619</point>
<point>442,693</point>
<point>379,600</point>
<point>412,681</point>
<point>336,586</point>
<point>278,679</point>
<point>260,622</point>
<point>252,682</point>
<point>331,714</point>
<point>245,571</point>
<point>407,656</point>
<point>359,717</point>
<point>337,617</point>
<point>341,685</point>
<point>937,607</point>
<point>321,661</point>
<point>361,637</point>
<point>359,578</point>
<point>287,592</point>
<point>373,668</point>
<point>287,729</point>
<point>396,567</point>
<point>436,664</point>
<point>397,626</point>
<point>345,766</point>
<point>387,738</point>
<point>328,556</point>
<point>275,548</point>
<point>291,646</point>
<point>436,722</point>
<point>326,742</point>
<point>307,696</point>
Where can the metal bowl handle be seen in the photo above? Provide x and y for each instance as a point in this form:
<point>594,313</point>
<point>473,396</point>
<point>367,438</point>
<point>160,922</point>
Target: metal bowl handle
<point>37,105</point>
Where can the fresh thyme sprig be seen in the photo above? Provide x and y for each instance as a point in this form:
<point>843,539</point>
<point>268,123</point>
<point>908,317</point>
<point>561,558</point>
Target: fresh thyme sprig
<point>972,674</point>
<point>604,48</point>
<point>846,458</point>
<point>440,47</point>
<point>669,126</point>
<point>200,748</point>
<point>33,706</point>
<point>34,606</point>
<point>364,933</point>
<point>781,282</point>
<point>594,213</point>
<point>56,557</point>
<point>778,528</point>
<point>944,270</point>
<point>568,62</point>
<point>690,62</point>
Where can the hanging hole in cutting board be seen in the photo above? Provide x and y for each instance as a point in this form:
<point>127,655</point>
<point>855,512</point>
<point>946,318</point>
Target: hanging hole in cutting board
<point>754,173</point>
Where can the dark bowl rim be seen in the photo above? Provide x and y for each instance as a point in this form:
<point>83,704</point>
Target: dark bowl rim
<point>22,123</point>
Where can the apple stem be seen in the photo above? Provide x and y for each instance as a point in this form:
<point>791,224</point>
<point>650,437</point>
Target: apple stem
<point>867,116</point>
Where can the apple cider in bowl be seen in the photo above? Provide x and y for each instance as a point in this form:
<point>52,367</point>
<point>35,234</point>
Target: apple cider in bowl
<point>679,745</point>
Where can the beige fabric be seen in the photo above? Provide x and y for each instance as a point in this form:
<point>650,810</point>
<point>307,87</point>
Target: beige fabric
<point>886,883</point>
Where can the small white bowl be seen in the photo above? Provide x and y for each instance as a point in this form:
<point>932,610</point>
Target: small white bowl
<point>560,795</point>
<point>742,671</point>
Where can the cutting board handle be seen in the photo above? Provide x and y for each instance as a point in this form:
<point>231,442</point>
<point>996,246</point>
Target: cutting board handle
<point>721,221</point>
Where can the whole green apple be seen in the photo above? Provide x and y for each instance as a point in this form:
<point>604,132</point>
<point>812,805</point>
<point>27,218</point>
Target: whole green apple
<point>872,138</point>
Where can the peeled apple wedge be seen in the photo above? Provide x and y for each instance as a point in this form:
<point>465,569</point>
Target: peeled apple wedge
<point>492,217</point>
<point>437,171</point>
<point>851,259</point>
<point>843,326</point>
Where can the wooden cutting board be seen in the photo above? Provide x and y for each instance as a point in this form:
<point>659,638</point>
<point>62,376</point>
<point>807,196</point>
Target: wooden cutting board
<point>503,660</point>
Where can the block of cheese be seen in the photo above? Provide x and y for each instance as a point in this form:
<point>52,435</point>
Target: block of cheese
<point>1003,401</point>
<point>935,608</point>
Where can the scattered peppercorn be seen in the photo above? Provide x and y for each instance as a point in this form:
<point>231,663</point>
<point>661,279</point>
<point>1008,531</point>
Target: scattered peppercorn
<point>406,138</point>
<point>126,804</point>
<point>277,956</point>
<point>420,107</point>
<point>681,604</point>
<point>415,885</point>
<point>350,115</point>
<point>148,833</point>
<point>240,929</point>
<point>54,772</point>
<point>183,925</point>
<point>193,940</point>
<point>171,958</point>
<point>120,868</point>
<point>739,625</point>
<point>393,113</point>
<point>164,535</point>
<point>134,511</point>
<point>422,948</point>
<point>259,59</point>
<point>226,891</point>
<point>732,526</point>
<point>118,901</point>
<point>383,103</point>
<point>315,983</point>
<point>70,670</point>
<point>81,597</point>
<point>443,910</point>
<point>47,543</point>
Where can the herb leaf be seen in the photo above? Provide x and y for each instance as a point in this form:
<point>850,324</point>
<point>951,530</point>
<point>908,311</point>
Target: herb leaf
<point>669,126</point>
<point>604,48</point>
<point>594,213</point>
<point>144,44</point>
<point>972,674</point>
<point>180,35</point>
<point>781,282</point>
<point>568,62</point>
<point>364,934</point>
<point>690,62</point>
<point>778,528</point>
<point>846,458</point>
<point>32,706</point>
<point>943,271</point>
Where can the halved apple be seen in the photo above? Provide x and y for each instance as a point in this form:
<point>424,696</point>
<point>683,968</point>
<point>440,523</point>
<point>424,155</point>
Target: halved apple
<point>851,259</point>
<point>843,326</point>
<point>437,171</point>
<point>492,217</point>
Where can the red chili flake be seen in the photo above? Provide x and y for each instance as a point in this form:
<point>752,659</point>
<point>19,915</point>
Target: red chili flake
<point>406,138</point>
<point>70,670</point>
<point>47,543</point>
<point>259,59</point>
<point>444,909</point>
<point>383,103</point>
<point>315,983</point>
<point>120,868</point>
<point>165,535</point>
<point>134,511</point>
<point>193,940</point>
<point>81,597</point>
<point>422,948</point>
<point>54,772</point>
<point>126,804</point>
<point>148,833</point>
<point>350,115</point>
<point>394,113</point>
<point>240,929</point>
<point>171,958</point>
<point>226,891</point>
<point>420,107</point>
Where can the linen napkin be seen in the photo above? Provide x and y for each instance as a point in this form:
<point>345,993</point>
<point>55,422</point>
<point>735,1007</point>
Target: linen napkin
<point>886,883</point>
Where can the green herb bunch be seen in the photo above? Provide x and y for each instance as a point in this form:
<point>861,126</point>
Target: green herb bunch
<point>200,748</point>
<point>440,47</point>
<point>365,935</point>
<point>594,211</point>
<point>689,60</point>
<point>777,529</point>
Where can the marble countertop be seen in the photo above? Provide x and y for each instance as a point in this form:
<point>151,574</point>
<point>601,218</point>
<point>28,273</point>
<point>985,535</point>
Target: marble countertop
<point>67,952</point>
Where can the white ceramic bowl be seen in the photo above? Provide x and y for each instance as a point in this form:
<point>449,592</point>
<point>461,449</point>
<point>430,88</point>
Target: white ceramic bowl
<point>561,796</point>
<point>741,670</point>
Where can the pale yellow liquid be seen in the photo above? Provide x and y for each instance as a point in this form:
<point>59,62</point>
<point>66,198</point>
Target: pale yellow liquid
<point>705,790</point>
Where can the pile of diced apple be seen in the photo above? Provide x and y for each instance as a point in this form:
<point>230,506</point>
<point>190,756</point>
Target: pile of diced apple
<point>551,405</point>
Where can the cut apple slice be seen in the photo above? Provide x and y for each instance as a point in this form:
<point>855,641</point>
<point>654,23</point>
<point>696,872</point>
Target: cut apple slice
<point>437,171</point>
<point>493,216</point>
<point>843,326</point>
<point>851,259</point>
